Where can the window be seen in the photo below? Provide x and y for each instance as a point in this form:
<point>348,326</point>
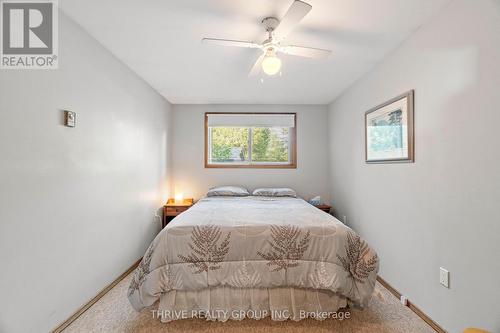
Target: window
<point>250,140</point>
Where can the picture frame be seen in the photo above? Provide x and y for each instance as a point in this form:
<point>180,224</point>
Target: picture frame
<point>389,131</point>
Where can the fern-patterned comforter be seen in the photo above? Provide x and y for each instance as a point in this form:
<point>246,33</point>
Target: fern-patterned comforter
<point>255,242</point>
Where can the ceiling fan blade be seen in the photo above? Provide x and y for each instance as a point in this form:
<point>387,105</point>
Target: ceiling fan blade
<point>293,16</point>
<point>309,52</point>
<point>230,42</point>
<point>257,66</point>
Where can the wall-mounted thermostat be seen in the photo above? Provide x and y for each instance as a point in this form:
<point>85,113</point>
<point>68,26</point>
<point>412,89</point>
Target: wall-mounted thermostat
<point>69,118</point>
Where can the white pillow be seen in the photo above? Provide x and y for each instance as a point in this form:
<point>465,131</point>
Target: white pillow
<point>275,192</point>
<point>231,191</point>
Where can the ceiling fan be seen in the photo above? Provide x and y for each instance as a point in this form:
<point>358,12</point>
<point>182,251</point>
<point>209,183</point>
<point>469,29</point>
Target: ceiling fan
<point>278,31</point>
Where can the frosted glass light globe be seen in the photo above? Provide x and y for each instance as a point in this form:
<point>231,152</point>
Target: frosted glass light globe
<point>271,65</point>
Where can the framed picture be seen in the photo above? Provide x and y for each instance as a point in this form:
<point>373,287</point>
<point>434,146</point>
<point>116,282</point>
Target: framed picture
<point>389,131</point>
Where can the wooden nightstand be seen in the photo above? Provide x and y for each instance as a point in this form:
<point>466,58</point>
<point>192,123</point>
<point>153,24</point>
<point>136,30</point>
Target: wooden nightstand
<point>325,208</point>
<point>172,209</point>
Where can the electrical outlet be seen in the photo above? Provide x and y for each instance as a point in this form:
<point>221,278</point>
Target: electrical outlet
<point>344,219</point>
<point>404,300</point>
<point>158,216</point>
<point>444,277</point>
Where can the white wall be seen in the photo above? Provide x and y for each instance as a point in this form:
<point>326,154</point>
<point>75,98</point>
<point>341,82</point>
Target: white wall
<point>77,204</point>
<point>442,210</point>
<point>191,177</point>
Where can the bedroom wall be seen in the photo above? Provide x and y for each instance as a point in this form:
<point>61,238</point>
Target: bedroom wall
<point>441,210</point>
<point>191,177</point>
<point>77,205</point>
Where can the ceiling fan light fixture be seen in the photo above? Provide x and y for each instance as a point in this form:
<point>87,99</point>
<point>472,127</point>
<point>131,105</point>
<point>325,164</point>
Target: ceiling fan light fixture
<point>271,65</point>
<point>278,30</point>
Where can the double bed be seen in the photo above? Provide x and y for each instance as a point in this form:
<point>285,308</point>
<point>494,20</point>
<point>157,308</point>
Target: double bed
<point>254,256</point>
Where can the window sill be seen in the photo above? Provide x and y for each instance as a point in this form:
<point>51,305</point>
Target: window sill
<point>251,166</point>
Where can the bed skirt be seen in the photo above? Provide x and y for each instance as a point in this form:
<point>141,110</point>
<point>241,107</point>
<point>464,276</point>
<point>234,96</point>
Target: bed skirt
<point>223,303</point>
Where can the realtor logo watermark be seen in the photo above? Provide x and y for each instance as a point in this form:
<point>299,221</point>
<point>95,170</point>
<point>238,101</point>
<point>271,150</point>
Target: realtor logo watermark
<point>29,36</point>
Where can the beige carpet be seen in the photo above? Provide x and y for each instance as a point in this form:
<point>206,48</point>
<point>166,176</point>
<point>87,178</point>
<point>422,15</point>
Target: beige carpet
<point>113,313</point>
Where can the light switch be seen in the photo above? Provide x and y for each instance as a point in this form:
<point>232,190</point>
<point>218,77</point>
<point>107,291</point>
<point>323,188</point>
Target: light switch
<point>69,118</point>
